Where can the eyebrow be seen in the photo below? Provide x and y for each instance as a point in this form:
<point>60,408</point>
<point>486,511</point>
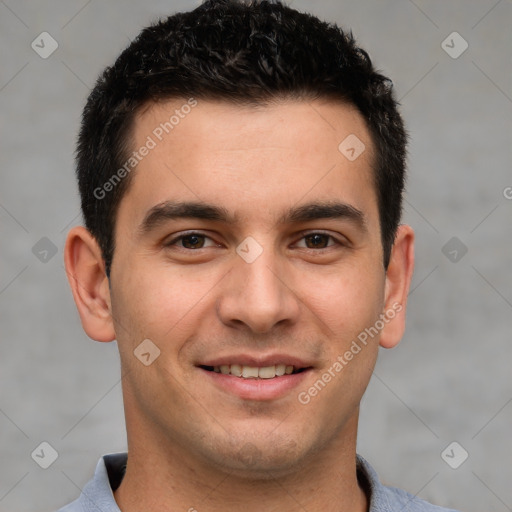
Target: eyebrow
<point>172,210</point>
<point>324,210</point>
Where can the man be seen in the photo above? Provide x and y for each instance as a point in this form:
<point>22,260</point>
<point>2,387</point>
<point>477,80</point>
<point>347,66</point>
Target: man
<point>241,169</point>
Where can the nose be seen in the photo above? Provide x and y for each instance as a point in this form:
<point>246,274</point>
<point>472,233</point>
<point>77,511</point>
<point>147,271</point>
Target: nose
<point>258,296</point>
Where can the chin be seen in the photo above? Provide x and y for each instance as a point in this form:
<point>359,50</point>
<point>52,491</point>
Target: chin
<point>260,459</point>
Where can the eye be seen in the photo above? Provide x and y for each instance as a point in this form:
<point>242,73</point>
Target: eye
<point>191,241</point>
<point>317,241</point>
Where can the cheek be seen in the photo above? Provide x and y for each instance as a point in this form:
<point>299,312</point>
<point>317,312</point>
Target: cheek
<point>347,300</point>
<point>155,302</point>
<point>347,306</point>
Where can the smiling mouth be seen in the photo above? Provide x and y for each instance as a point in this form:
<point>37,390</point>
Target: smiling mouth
<point>255,372</point>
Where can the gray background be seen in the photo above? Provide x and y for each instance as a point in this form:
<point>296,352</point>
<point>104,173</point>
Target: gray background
<point>449,380</point>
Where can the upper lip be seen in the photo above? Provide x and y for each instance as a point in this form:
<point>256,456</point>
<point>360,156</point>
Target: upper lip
<point>257,361</point>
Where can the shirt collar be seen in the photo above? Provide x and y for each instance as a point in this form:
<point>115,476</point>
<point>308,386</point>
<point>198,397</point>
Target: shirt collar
<point>98,494</point>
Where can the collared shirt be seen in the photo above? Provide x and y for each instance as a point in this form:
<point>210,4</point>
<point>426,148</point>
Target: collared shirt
<point>98,494</point>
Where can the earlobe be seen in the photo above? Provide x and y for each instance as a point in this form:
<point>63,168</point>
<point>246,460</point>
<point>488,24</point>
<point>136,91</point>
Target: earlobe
<point>398,281</point>
<point>89,284</point>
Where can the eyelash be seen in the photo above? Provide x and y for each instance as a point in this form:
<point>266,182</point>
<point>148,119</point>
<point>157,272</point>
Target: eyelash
<point>304,235</point>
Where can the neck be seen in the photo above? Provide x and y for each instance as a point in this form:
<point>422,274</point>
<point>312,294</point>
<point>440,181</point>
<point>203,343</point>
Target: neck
<point>160,475</point>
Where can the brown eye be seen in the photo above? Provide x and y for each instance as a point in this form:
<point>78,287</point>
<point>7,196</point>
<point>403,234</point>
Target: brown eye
<point>317,241</point>
<point>193,241</point>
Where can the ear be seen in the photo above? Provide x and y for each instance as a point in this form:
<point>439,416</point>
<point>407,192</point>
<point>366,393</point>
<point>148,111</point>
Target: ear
<point>85,269</point>
<point>398,281</point>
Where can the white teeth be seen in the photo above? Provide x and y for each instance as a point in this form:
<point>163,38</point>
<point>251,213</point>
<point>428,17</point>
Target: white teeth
<point>254,372</point>
<point>267,372</point>
<point>236,370</point>
<point>249,371</point>
<point>280,369</point>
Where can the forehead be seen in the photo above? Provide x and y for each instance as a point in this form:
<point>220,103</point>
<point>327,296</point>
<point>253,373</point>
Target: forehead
<point>251,159</point>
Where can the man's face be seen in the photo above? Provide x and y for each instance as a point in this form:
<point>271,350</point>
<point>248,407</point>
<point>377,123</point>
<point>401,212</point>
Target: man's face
<point>265,280</point>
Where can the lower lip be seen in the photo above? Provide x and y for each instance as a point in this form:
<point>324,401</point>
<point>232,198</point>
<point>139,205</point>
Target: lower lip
<point>257,389</point>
